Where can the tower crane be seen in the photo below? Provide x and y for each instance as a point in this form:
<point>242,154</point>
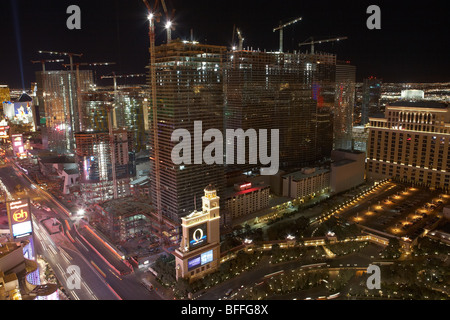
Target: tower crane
<point>241,39</point>
<point>281,28</point>
<point>312,42</point>
<point>43,62</point>
<point>69,54</point>
<point>152,16</point>
<point>169,21</point>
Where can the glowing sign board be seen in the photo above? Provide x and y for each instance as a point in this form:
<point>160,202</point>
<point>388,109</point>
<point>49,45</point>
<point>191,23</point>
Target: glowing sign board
<point>19,216</point>
<point>197,236</point>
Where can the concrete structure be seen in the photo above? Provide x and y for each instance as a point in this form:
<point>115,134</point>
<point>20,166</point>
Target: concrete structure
<point>199,251</point>
<point>306,183</point>
<point>130,112</point>
<point>360,135</point>
<point>246,201</point>
<point>190,88</point>
<point>94,159</point>
<point>411,143</point>
<point>59,95</point>
<point>347,170</point>
<point>18,273</point>
<point>124,218</point>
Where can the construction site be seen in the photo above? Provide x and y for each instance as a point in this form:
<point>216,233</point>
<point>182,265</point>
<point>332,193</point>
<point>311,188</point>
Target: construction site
<point>306,96</point>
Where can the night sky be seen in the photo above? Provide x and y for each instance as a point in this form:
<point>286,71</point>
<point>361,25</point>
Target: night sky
<point>412,45</point>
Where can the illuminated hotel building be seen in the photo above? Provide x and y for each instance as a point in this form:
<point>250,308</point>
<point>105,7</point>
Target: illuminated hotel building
<point>411,143</point>
<point>245,200</point>
<point>199,251</point>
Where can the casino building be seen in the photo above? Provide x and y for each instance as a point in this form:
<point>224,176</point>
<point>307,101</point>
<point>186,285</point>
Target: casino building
<point>411,143</point>
<point>199,251</point>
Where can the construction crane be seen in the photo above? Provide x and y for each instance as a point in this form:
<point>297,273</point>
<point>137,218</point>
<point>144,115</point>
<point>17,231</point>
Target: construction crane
<point>241,39</point>
<point>312,42</point>
<point>281,28</point>
<point>152,16</point>
<point>169,21</point>
<point>43,62</point>
<point>69,54</point>
<point>92,64</point>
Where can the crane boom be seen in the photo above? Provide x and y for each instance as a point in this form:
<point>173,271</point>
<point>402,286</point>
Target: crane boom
<point>312,42</point>
<point>43,62</point>
<point>281,28</point>
<point>69,54</point>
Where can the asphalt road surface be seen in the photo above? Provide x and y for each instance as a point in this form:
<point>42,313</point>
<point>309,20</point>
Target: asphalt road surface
<point>98,281</point>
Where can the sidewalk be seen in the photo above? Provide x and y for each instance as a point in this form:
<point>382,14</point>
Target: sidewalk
<point>165,293</point>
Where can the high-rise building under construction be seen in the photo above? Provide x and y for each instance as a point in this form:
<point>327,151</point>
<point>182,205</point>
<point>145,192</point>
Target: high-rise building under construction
<point>189,88</point>
<point>292,92</point>
<point>59,93</point>
<point>95,163</point>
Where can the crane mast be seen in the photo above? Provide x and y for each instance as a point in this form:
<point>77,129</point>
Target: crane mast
<point>241,39</point>
<point>152,16</point>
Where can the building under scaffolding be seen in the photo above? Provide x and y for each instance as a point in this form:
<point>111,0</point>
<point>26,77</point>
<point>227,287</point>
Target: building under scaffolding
<point>301,95</point>
<point>58,93</point>
<point>94,158</point>
<point>126,218</point>
<point>130,112</point>
<point>290,92</point>
<point>189,88</point>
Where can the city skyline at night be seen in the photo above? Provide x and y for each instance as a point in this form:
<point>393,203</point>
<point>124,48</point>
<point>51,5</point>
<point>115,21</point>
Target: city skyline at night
<point>219,155</point>
<point>410,34</point>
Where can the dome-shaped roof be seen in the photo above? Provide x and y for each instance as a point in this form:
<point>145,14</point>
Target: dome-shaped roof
<point>210,188</point>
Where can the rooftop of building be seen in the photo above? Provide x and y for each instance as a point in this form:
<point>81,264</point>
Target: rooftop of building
<point>350,151</point>
<point>231,192</point>
<point>342,162</point>
<point>140,181</point>
<point>56,159</point>
<point>299,175</point>
<point>419,104</point>
<point>7,248</point>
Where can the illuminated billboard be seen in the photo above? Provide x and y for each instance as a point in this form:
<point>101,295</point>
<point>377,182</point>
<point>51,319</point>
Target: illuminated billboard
<point>198,236</point>
<point>200,260</point>
<point>17,143</point>
<point>19,216</point>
